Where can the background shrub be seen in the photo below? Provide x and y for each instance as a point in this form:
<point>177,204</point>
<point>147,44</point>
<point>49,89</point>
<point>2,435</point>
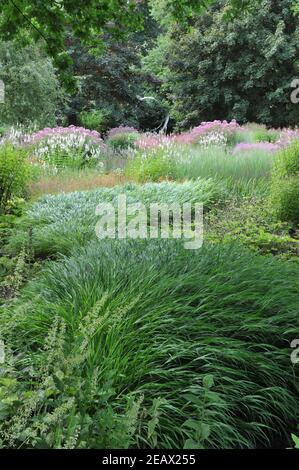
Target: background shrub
<point>260,133</point>
<point>123,140</point>
<point>153,165</point>
<point>94,120</point>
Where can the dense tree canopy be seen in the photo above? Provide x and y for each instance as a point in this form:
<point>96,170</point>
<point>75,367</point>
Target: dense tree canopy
<point>32,90</point>
<point>240,69</point>
<point>113,82</point>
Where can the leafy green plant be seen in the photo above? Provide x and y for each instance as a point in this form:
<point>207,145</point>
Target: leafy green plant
<point>94,120</point>
<point>123,140</point>
<point>287,161</point>
<point>61,223</point>
<point>201,427</point>
<point>154,165</point>
<point>285,184</point>
<point>14,174</point>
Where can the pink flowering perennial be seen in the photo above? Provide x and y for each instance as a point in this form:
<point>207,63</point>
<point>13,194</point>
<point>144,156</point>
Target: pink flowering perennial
<point>265,146</point>
<point>220,127</point>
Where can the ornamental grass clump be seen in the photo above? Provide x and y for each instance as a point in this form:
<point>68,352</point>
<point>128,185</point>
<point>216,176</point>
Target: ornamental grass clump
<point>146,344</point>
<point>154,164</point>
<point>218,162</point>
<point>285,184</point>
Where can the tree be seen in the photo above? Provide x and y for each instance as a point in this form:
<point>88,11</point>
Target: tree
<point>32,90</point>
<point>87,20</point>
<point>239,69</point>
<point>113,82</point>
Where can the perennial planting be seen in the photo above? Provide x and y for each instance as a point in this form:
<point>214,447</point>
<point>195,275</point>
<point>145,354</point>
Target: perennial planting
<point>119,337</point>
<point>149,228</point>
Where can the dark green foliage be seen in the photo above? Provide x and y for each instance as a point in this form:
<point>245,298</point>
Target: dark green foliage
<point>87,19</point>
<point>27,19</point>
<point>113,82</point>
<point>239,69</point>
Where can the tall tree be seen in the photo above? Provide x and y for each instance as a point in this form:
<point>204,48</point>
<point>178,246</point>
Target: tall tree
<point>240,69</point>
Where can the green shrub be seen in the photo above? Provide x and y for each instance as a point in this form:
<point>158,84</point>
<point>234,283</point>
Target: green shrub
<point>273,136</point>
<point>14,173</point>
<point>154,165</point>
<point>216,162</point>
<point>252,222</point>
<point>285,199</point>
<point>254,133</point>
<point>2,130</point>
<point>94,120</point>
<point>123,140</point>
<point>285,184</point>
<point>146,344</point>
<point>287,161</point>
<point>296,441</point>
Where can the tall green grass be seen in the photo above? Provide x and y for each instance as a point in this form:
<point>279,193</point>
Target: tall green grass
<point>217,162</point>
<point>146,344</point>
